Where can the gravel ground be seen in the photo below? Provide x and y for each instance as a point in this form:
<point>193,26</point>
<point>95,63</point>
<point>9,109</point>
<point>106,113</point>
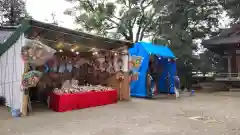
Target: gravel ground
<point>163,116</point>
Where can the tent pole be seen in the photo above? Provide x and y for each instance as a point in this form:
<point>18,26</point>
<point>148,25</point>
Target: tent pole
<point>25,96</point>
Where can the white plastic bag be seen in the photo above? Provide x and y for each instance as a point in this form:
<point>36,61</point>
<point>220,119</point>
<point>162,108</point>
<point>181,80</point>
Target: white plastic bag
<point>36,53</point>
<point>176,92</point>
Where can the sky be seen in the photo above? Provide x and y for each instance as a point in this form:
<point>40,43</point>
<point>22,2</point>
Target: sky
<point>41,10</point>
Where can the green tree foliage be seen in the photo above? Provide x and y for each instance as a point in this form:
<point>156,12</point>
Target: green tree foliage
<point>182,28</point>
<point>232,7</point>
<point>208,62</point>
<point>131,19</point>
<point>185,22</point>
<point>12,11</point>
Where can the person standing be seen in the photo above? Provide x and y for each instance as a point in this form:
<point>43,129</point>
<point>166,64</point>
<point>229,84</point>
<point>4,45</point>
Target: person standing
<point>152,78</point>
<point>177,86</point>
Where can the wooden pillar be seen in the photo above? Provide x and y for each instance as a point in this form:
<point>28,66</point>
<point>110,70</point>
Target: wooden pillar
<point>229,65</point>
<point>233,61</point>
<point>125,83</point>
<point>238,64</point>
<point>125,87</point>
<point>25,95</point>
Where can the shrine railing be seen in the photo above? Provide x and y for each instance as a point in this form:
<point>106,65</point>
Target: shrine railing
<point>227,77</point>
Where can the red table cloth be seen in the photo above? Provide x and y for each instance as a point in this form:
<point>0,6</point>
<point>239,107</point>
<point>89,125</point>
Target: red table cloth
<point>68,102</point>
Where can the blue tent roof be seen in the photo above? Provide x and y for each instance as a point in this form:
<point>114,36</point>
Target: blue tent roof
<point>161,50</point>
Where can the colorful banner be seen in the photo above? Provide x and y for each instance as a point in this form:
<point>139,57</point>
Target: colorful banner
<point>31,78</point>
<point>136,62</point>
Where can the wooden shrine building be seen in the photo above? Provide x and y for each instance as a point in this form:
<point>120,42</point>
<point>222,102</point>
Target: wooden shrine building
<point>227,45</point>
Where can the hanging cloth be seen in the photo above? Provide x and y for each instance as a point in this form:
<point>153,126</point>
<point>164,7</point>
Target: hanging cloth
<point>61,68</point>
<point>69,67</point>
<point>55,68</point>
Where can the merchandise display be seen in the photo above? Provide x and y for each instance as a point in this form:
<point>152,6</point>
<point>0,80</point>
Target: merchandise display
<point>80,89</point>
<point>36,53</point>
<point>69,102</point>
<point>31,78</point>
<point>70,81</point>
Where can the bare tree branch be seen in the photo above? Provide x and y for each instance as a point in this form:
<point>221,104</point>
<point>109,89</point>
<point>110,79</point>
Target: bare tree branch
<point>90,5</point>
<point>139,29</point>
<point>144,7</point>
<point>109,19</point>
<point>146,26</point>
<point>116,17</point>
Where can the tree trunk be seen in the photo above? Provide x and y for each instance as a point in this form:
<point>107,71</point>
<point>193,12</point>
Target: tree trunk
<point>12,18</point>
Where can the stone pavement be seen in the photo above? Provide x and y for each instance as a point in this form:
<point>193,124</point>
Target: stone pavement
<point>162,116</point>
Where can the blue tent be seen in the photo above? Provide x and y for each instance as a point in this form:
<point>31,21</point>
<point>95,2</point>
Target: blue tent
<point>145,50</point>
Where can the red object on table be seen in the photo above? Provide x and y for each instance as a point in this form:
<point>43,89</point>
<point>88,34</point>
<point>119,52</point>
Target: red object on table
<point>68,102</point>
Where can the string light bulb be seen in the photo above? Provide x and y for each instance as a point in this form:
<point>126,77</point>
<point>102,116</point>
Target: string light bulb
<point>60,50</point>
<point>77,53</point>
<point>95,53</point>
<point>72,50</point>
<point>93,49</point>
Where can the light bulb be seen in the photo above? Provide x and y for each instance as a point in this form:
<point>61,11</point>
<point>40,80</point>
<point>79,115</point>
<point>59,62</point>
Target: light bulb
<point>77,53</point>
<point>60,50</point>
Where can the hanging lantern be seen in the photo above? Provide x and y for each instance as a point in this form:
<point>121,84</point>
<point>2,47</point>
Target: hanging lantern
<point>112,64</point>
<point>105,65</point>
<point>97,64</point>
<point>120,63</point>
<point>120,76</point>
